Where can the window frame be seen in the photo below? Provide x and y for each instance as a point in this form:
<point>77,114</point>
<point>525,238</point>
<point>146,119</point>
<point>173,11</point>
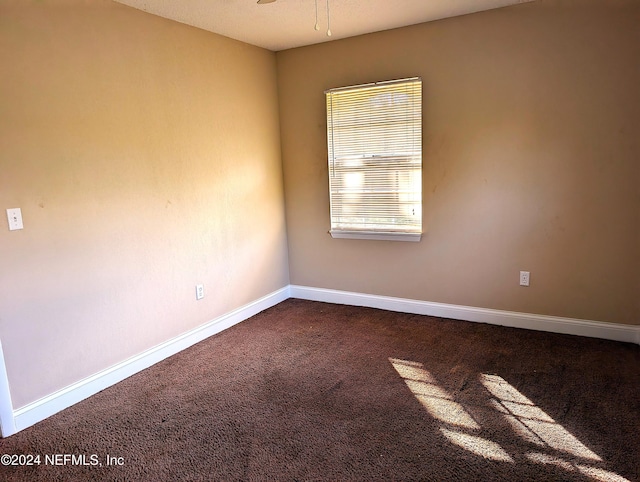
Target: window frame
<point>389,231</point>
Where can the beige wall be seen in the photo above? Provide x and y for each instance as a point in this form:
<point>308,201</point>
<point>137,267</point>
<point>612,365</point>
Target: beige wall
<point>530,153</point>
<point>145,156</point>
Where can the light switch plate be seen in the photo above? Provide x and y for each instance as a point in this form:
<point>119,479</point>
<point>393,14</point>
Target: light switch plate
<point>14,216</point>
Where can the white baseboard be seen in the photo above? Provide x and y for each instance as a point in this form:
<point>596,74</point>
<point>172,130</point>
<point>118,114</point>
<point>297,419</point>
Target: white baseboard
<point>7,424</point>
<point>12,421</point>
<point>45,407</point>
<point>555,324</point>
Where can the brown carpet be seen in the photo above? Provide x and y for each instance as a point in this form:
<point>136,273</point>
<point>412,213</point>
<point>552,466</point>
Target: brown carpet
<point>313,391</point>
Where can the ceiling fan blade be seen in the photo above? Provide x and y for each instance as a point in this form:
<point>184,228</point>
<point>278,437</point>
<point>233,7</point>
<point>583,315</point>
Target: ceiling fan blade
<point>262,2</point>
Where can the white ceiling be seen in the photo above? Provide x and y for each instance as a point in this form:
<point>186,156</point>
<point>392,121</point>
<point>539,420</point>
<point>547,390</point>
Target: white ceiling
<point>290,23</point>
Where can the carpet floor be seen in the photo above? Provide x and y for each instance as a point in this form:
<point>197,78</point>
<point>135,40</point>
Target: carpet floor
<point>313,391</point>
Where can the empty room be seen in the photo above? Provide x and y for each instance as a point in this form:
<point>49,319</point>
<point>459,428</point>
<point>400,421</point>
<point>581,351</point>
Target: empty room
<point>320,240</point>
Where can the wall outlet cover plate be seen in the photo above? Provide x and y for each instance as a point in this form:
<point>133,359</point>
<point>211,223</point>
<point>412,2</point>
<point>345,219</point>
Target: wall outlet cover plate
<point>14,216</point>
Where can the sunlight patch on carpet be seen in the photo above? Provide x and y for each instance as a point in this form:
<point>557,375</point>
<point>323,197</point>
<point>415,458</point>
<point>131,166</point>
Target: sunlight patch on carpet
<point>528,421</point>
<point>594,473</point>
<point>547,459</point>
<point>448,411</point>
<point>477,445</point>
<point>441,406</point>
<point>600,474</point>
<point>432,397</point>
<point>535,419</point>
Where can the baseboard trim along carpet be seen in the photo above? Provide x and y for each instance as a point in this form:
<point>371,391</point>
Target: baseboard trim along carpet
<point>554,324</point>
<point>12,421</point>
<point>6,410</point>
<point>45,407</point>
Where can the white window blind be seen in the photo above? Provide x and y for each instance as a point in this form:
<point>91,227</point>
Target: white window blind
<point>374,136</point>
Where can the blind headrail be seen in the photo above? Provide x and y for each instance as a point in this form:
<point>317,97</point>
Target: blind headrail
<point>373,84</point>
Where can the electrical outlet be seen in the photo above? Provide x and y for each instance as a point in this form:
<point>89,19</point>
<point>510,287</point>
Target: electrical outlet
<point>524,278</point>
<point>199,292</point>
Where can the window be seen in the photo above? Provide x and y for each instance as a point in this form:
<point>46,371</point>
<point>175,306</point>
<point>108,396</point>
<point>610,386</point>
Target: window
<point>374,135</point>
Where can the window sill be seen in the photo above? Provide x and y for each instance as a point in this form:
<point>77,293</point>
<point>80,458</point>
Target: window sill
<point>380,236</point>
